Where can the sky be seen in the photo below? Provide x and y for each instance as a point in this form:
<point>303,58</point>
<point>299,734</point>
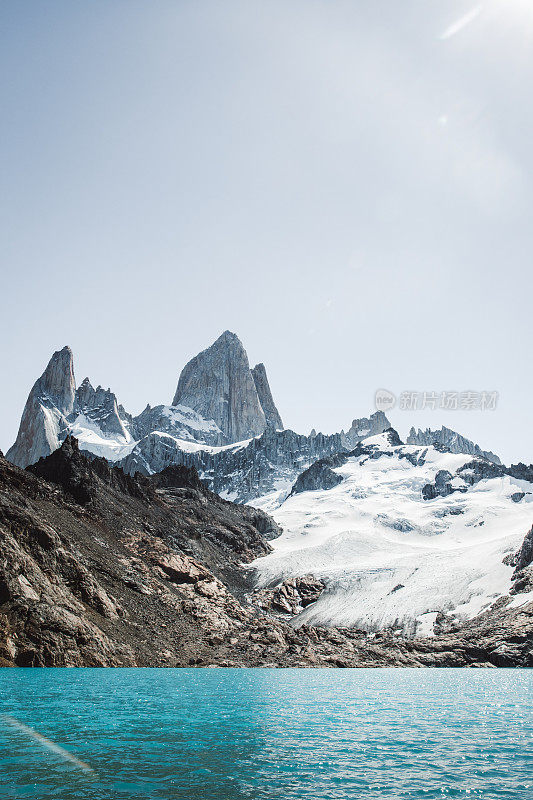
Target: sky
<point>346,185</point>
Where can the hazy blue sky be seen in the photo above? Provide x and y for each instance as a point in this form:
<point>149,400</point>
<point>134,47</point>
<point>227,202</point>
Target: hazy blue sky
<point>346,185</point>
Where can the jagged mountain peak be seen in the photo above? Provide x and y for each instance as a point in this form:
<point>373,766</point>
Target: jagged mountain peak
<point>98,407</point>
<point>219,400</point>
<point>366,426</point>
<point>57,381</point>
<point>378,418</point>
<point>49,402</point>
<point>64,355</point>
<point>218,384</point>
<point>226,340</point>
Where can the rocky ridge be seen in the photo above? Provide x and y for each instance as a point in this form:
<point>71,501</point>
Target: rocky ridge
<point>453,441</point>
<point>363,428</point>
<point>179,422</point>
<point>266,464</point>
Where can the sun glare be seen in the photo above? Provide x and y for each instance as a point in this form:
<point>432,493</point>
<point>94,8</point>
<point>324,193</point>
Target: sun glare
<point>517,10</point>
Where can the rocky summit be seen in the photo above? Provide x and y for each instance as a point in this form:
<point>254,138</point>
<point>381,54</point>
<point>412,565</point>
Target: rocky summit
<point>44,419</point>
<point>218,383</point>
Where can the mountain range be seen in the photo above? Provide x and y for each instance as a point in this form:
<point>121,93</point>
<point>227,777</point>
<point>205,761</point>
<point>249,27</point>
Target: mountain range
<point>222,419</point>
<point>371,533</point>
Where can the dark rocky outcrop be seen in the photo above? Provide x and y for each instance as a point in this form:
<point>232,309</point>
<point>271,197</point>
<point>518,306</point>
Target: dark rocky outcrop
<point>417,460</point>
<point>79,476</point>
<point>522,472</point>
<point>525,555</point>
<point>523,564</point>
<point>471,473</point>
<point>393,437</point>
<point>177,476</point>
<point>320,475</point>
<point>290,597</point>
<point>441,487</point>
<point>479,470</point>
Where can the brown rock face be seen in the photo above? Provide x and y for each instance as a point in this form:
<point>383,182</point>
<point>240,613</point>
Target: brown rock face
<point>218,384</point>
<point>290,597</point>
<point>50,401</point>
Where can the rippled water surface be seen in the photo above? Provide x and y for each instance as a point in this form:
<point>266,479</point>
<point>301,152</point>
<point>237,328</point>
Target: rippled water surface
<point>265,734</point>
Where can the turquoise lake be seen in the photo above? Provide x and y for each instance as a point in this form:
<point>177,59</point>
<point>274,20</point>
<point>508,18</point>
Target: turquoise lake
<point>226,734</point>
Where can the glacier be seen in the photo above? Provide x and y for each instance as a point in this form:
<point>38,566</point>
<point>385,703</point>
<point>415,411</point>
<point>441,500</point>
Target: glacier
<point>389,558</point>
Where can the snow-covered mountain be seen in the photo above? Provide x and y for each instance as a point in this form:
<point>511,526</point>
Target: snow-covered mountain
<point>217,402</point>
<point>399,534</point>
<point>223,421</point>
